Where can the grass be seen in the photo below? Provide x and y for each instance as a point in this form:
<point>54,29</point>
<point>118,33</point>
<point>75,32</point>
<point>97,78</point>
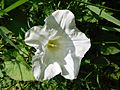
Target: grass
<point>98,19</point>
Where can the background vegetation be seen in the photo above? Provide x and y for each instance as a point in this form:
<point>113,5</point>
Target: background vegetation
<point>98,19</point>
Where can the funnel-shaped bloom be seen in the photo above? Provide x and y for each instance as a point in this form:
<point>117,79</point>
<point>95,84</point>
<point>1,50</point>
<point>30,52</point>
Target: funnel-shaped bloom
<point>59,45</point>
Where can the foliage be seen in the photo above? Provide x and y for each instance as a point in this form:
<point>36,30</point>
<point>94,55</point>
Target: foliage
<point>98,19</point>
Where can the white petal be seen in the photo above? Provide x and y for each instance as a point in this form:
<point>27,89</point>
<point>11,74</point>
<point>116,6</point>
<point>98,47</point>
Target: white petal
<point>38,67</point>
<point>36,36</point>
<point>52,70</point>
<point>70,70</point>
<point>64,20</point>
<point>44,68</point>
<point>81,43</point>
<point>55,56</point>
<point>61,19</point>
<point>43,64</point>
<point>73,59</point>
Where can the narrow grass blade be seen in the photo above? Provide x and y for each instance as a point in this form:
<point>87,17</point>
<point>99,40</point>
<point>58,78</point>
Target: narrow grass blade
<point>103,14</point>
<point>110,29</point>
<point>13,6</point>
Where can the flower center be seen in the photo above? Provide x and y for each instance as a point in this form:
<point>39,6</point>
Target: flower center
<point>54,44</point>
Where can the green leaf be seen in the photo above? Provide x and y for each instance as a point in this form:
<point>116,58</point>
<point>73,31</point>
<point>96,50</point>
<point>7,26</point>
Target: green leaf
<point>2,4</point>
<point>103,14</point>
<point>115,76</point>
<point>13,6</point>
<point>97,79</point>
<point>87,85</point>
<point>107,50</point>
<point>87,61</point>
<point>18,71</point>
<point>1,74</point>
<point>111,29</point>
<point>3,32</point>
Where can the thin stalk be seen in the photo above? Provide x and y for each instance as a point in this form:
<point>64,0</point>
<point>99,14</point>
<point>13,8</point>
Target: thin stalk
<point>13,6</point>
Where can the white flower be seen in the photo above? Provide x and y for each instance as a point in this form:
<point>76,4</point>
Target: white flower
<point>59,45</point>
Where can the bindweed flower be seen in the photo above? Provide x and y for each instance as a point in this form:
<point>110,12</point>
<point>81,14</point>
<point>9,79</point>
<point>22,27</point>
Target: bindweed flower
<point>59,45</point>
